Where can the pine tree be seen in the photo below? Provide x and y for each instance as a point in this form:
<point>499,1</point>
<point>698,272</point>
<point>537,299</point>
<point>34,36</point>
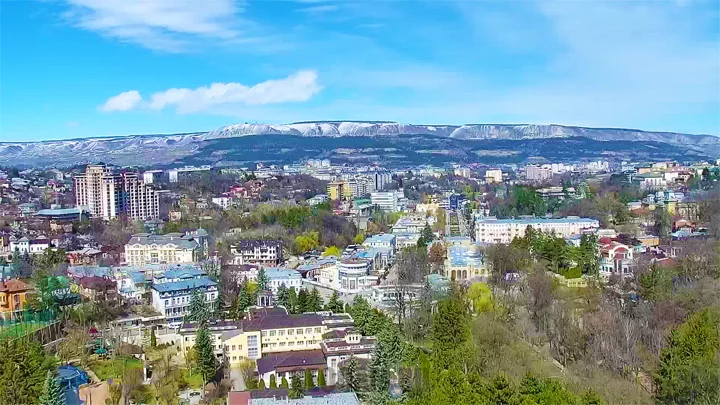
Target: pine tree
<point>284,383</point>
<point>283,296</point>
<point>351,374</point>
<point>198,310</point>
<point>292,301</point>
<point>261,384</point>
<point>207,362</point>
<point>315,301</point>
<point>309,384</point>
<point>52,393</point>
<point>334,304</point>
<point>321,378</point>
<point>262,280</point>
<point>302,301</point>
<point>296,390</point>
<point>273,381</point>
<point>153,338</point>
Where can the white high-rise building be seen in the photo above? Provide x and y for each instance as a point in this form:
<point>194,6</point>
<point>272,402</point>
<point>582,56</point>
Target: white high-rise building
<point>107,194</point>
<point>390,201</point>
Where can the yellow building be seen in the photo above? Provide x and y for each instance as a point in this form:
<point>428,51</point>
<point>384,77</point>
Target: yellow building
<point>271,331</point>
<point>13,295</point>
<point>337,190</point>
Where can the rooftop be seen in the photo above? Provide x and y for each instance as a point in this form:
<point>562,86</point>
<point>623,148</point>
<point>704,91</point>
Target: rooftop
<point>184,285</point>
<point>381,238</point>
<point>289,360</point>
<point>276,273</point>
<point>530,221</point>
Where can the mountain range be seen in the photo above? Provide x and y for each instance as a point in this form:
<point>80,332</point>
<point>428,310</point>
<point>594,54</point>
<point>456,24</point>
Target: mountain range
<point>388,143</point>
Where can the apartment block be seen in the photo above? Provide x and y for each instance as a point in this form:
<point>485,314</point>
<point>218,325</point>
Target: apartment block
<point>493,230</point>
<point>107,194</point>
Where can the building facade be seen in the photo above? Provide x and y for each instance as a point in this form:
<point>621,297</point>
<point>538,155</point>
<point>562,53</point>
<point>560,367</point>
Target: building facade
<point>257,251</point>
<point>107,194</point>
<point>171,248</point>
<point>172,299</point>
<point>493,230</point>
<point>390,201</point>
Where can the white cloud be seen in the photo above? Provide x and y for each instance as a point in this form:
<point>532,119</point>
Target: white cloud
<point>166,25</point>
<point>122,102</point>
<point>298,87</point>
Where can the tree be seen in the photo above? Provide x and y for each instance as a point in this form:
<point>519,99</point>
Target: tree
<point>166,376</point>
<point>198,309</point>
<point>361,313</point>
<point>321,378</point>
<point>451,331</point>
<point>386,357</point>
<point>663,223</point>
<point>283,296</point>
<point>262,280</point>
<point>332,251</point>
<point>436,255</point>
<point>153,338</point>
<point>359,239</point>
<point>24,366</point>
<point>296,388</point>
<point>688,371</point>
<point>309,383</point>
<point>292,301</point>
<point>334,304</point>
<point>351,374</point>
<point>52,393</point>
<point>261,384</point>
<point>207,362</point>
<point>246,368</point>
<point>480,297</point>
<point>273,381</point>
<point>284,383</point>
<point>314,301</point>
<point>302,301</point>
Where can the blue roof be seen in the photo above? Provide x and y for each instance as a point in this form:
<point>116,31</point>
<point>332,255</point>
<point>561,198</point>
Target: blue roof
<point>59,211</point>
<point>137,277</point>
<point>465,256</point>
<point>184,284</point>
<point>89,271</point>
<point>182,273</point>
<point>381,238</point>
<point>276,273</point>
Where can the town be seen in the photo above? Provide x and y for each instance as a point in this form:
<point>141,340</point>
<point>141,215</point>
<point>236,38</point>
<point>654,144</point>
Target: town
<point>323,283</point>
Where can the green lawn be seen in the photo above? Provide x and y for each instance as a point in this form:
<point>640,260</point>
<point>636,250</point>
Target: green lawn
<point>20,329</point>
<point>106,369</point>
<point>194,381</point>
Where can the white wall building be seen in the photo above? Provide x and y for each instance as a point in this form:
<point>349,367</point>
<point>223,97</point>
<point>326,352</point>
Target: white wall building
<point>353,275</point>
<point>173,299</point>
<point>493,176</point>
<point>390,201</point>
<point>493,230</point>
<point>107,194</point>
<point>144,248</point>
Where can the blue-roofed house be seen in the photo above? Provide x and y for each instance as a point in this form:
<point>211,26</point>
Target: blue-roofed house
<point>464,263</point>
<point>383,240</point>
<point>278,276</point>
<point>77,272</point>
<point>172,299</point>
<point>132,285</point>
<point>179,274</point>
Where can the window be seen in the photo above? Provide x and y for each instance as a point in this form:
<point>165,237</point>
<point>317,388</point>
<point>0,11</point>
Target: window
<point>291,331</point>
<point>291,343</point>
<point>233,347</point>
<point>252,353</point>
<point>281,332</point>
<point>299,331</point>
<point>308,331</point>
<point>317,330</point>
<point>272,333</point>
<point>263,333</point>
<point>282,344</point>
<point>309,342</point>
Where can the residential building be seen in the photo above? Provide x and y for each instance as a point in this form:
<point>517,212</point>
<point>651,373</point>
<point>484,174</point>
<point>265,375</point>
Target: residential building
<point>337,190</point>
<point>257,251</point>
<point>107,194</point>
<point>318,199</point>
<point>287,365</point>
<point>383,240</point>
<point>353,275</point>
<point>493,176</point>
<point>171,248</point>
<point>339,345</point>
<point>172,299</point>
<point>63,215</point>
<point>278,277</point>
<point>132,285</point>
<point>390,201</point>
<point>13,295</point>
<point>538,173</point>
<point>493,230</point>
<point>315,396</point>
<point>25,245</point>
<point>222,202</point>
<point>616,259</point>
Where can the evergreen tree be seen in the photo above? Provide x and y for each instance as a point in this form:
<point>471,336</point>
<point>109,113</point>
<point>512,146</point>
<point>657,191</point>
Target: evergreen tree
<point>451,331</point>
<point>296,390</point>
<point>52,393</point>
<point>198,309</point>
<point>273,381</point>
<point>153,338</point>
<point>262,280</point>
<point>23,369</point>
<point>352,375</point>
<point>386,357</point>
<point>309,383</point>
<point>261,384</point>
<point>292,301</point>
<point>283,296</point>
<point>321,378</point>
<point>302,301</point>
<point>334,304</point>
<point>361,313</point>
<point>207,362</point>
<point>284,383</point>
<point>314,301</point>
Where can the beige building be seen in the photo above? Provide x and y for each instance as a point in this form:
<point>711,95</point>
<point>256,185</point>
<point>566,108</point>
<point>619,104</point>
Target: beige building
<point>107,194</point>
<point>493,230</point>
<point>171,248</point>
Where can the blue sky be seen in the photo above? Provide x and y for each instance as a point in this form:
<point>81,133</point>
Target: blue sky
<point>80,68</point>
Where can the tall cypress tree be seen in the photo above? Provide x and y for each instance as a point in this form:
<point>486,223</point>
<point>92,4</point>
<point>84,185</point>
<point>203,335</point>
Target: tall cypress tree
<point>262,280</point>
<point>198,309</point>
<point>52,392</point>
<point>283,296</point>
<point>302,301</point>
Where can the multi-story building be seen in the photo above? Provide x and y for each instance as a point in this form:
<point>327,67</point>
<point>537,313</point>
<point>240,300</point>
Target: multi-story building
<point>353,275</point>
<point>538,173</point>
<point>493,230</point>
<point>287,277</point>
<point>464,262</point>
<point>257,251</point>
<point>13,295</point>
<point>383,240</point>
<point>390,201</point>
<point>107,194</point>
<point>29,246</point>
<point>616,258</point>
<point>337,190</point>
<point>339,345</point>
<point>493,176</point>
<point>171,248</point>
<point>172,299</point>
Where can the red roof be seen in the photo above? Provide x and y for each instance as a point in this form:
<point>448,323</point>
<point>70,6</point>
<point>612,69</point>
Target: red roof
<point>238,398</point>
<point>14,285</point>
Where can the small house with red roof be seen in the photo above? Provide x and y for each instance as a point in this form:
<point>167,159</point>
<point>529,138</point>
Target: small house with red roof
<point>616,258</point>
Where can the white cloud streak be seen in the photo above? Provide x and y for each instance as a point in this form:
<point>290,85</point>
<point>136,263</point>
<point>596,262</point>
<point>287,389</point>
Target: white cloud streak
<point>122,102</point>
<point>164,25</point>
<point>298,87</point>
